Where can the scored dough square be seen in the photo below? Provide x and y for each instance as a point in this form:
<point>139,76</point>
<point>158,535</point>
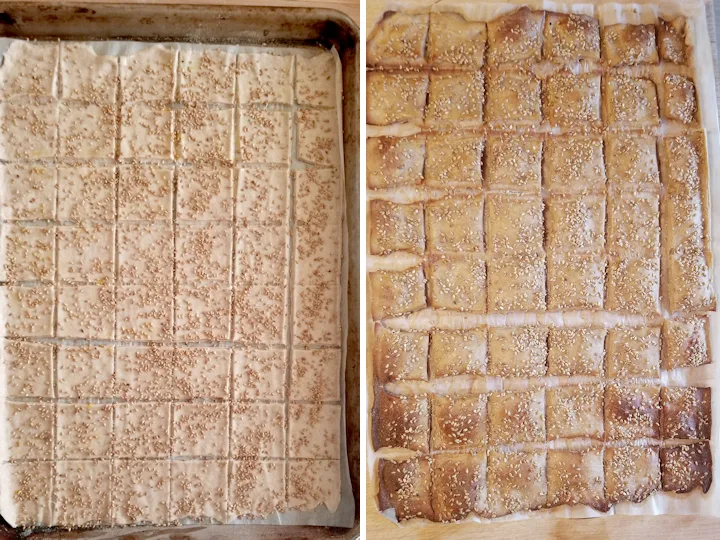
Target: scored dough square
<point>459,422</point>
<point>454,42</point>
<point>257,488</point>
<point>575,224</point>
<point>313,482</point>
<point>632,412</point>
<point>576,351</point>
<point>28,431</point>
<point>146,130</point>
<point>27,192</point>
<point>629,44</point>
<point>456,99</point>
<point>516,417</point>
<point>633,352</point>
<point>314,431</point>
<point>633,285</point>
<point>145,192</point>
<point>86,75</point>
<point>142,430</point>
<point>575,411</point>
<point>632,160</point>
<point>679,99</point>
<point>316,309</point>
<point>575,282</point>
<point>514,224</point>
<point>258,430</point>
<point>576,477</point>
<point>30,485</point>
<point>512,98</point>
<point>317,136</point>
<point>145,251</point>
<point>454,161</point>
<point>632,473</point>
<point>517,283</point>
<point>573,164</point>
<point>205,133</point>
<point>144,373</point>
<point>633,224</point>
<point>685,343</point>
<point>517,351</point>
<point>516,481</point>
<point>396,293</point>
<point>87,130</point>
<point>457,283</point>
<point>572,100</point>
<point>203,312</point>
<point>513,162</point>
<point>263,136</point>
<point>86,193</point>
<point>28,253</point>
<point>29,130</point>
<point>401,421</point>
<point>458,352</point>
<point>315,80</point>
<point>395,161</point>
<point>202,372</point>
<point>671,40</point>
<point>141,491</point>
<point>396,227</point>
<point>406,486</point>
<point>29,69</point>
<point>205,193</point>
<point>198,489</point>
<point>84,431</point>
<point>259,374</point>
<point>86,252</point>
<point>455,224</point>
<point>145,311</point>
<point>261,254</point>
<point>200,429</point>
<point>398,40</point>
<point>207,76</point>
<point>203,251</point>
<point>86,311</point>
<point>516,37</point>
<point>83,493</point>
<point>570,37</point>
<point>260,313</point>
<point>396,98</point>
<point>630,101</point>
<point>458,485</point>
<point>686,467</point>
<point>28,368</point>
<point>262,195</point>
<point>315,375</point>
<point>264,78</point>
<point>400,356</point>
<point>85,371</point>
<point>149,74</point>
<point>28,310</point>
<point>686,412</point>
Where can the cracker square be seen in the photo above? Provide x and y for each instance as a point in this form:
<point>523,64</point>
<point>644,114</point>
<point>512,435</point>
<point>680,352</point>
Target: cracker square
<point>398,40</point>
<point>87,130</point>
<point>263,195</point>
<point>685,343</point>
<point>395,293</point>
<point>633,285</point>
<point>513,98</point>
<point>576,477</point>
<point>630,101</point>
<point>458,486</point>
<point>459,422</point>
<point>261,255</point>
<point>202,372</point>
<point>575,282</point>
<point>671,40</point>
<point>259,374</point>
<point>86,311</point>
<point>313,482</point>
<point>28,430</point>
<point>315,80</point>
<point>314,431</point>
<point>86,193</point>
<point>198,489</point>
<point>458,352</point>
<point>85,371</point>
<point>142,430</point>
<point>203,312</point>
<point>315,375</point>
<point>200,429</point>
<point>146,130</point>
<point>519,351</point>
<point>396,227</point>
<point>573,164</point>
<point>28,368</point>
<point>570,37</point>
<point>575,411</point>
<point>575,224</point>
<point>145,192</point>
<point>516,417</point>
<point>145,311</point>
<point>516,37</point>
<point>691,276</point>
<point>633,352</point>
<point>204,251</point>
<point>86,252</point>
<point>264,78</point>
<point>28,253</point>
<point>141,491</point>
<point>572,100</point>
<point>457,283</point>
<point>516,481</point>
<point>632,412</point>
<point>629,44</point>
<point>401,421</point>
<point>207,75</point>
<point>205,193</point>
<point>205,133</point>
<point>260,313</point>
<point>685,160</point>
<point>400,356</point>
<point>27,192</point>
<point>632,160</point>
<point>258,430</point>
<point>406,486</point>
<point>633,224</point>
<point>513,162</point>
<point>257,488</point>
<point>86,75</point>
<point>29,130</point>
<point>144,373</point>
<point>454,42</point>
<point>145,251</point>
<point>686,412</point>
<point>83,493</point>
<point>396,98</point>
<point>263,136</point>
<point>317,136</point>
<point>454,161</point>
<point>683,221</point>
<point>29,69</point>
<point>680,99</point>
<point>84,431</point>
<point>576,351</point>
<point>517,283</point>
<point>395,161</point>
<point>29,484</point>
<point>28,310</point>
<point>632,473</point>
<point>455,224</point>
<point>149,74</point>
<point>514,224</point>
<point>686,467</point>
<point>456,99</point>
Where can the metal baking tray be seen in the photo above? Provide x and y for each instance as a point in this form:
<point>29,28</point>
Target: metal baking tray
<point>230,25</point>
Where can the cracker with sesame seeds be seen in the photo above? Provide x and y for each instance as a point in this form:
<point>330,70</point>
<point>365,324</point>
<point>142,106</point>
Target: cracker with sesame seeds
<point>202,372</point>
<point>683,221</point>
<point>671,40</point>
<point>458,486</point>
<point>514,224</point>
<point>571,100</point>
<point>30,485</point>
<point>28,430</point>
<point>455,99</point>
<point>459,422</point>
<point>632,161</point>
<point>314,431</point>
<point>401,421</point>
<point>85,253</point>
<point>149,74</point>
<point>517,352</point>
<point>576,351</point>
<point>259,374</point>
<point>575,282</point>
<point>313,482</point>
<point>455,224</point>
<point>396,97</point>
<point>203,312</point>
<point>569,37</point>
<point>205,133</point>
<point>199,489</point>
<point>633,285</point>
<point>516,37</point>
<point>29,69</point>
<point>27,252</point>
<point>144,372</point>
<point>400,356</point>
<point>512,98</point>
<point>315,83</point>
<point>141,491</point>
<point>454,161</point>
<point>207,75</point>
<point>513,162</point>
<point>84,430</point>
<point>575,411</point>
<point>686,467</point>
<point>200,429</point>
<point>576,477</point>
<point>633,224</point>
<point>630,101</point>
<point>632,473</point>
<point>394,161</point>
<point>257,488</point>
<point>263,136</point>
<point>86,193</point>
<point>83,493</point>
<point>396,227</point>
<point>516,482</point>
<point>142,430</point>
<point>516,416</point>
<point>317,137</point>
<point>87,130</point>
<point>145,192</point>
<point>517,283</point>
<point>204,193</point>
<point>27,192</point>
<point>458,352</point>
<point>454,42</point>
<point>146,130</point>
<point>28,310</point>
<point>398,39</point>
<point>258,430</point>
<point>203,251</point>
<point>86,75</point>
<point>28,368</point>
<point>315,375</point>
<point>629,44</point>
<point>457,283</point>
<point>686,412</point>
<point>406,487</point>
<point>260,311</point>
<point>633,352</point>
<point>28,130</point>
<point>262,195</point>
<point>397,292</point>
<point>144,311</point>
<point>686,342</point>
<point>86,311</point>
<point>573,164</point>
<point>261,255</point>
<point>632,411</point>
<point>679,103</point>
<point>85,371</point>
<point>575,224</point>
<point>145,251</point>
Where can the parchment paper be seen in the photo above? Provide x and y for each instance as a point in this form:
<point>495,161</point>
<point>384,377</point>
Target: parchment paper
<point>698,36</point>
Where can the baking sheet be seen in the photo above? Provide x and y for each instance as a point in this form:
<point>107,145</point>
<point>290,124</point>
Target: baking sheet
<point>344,515</point>
<point>694,503</point>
